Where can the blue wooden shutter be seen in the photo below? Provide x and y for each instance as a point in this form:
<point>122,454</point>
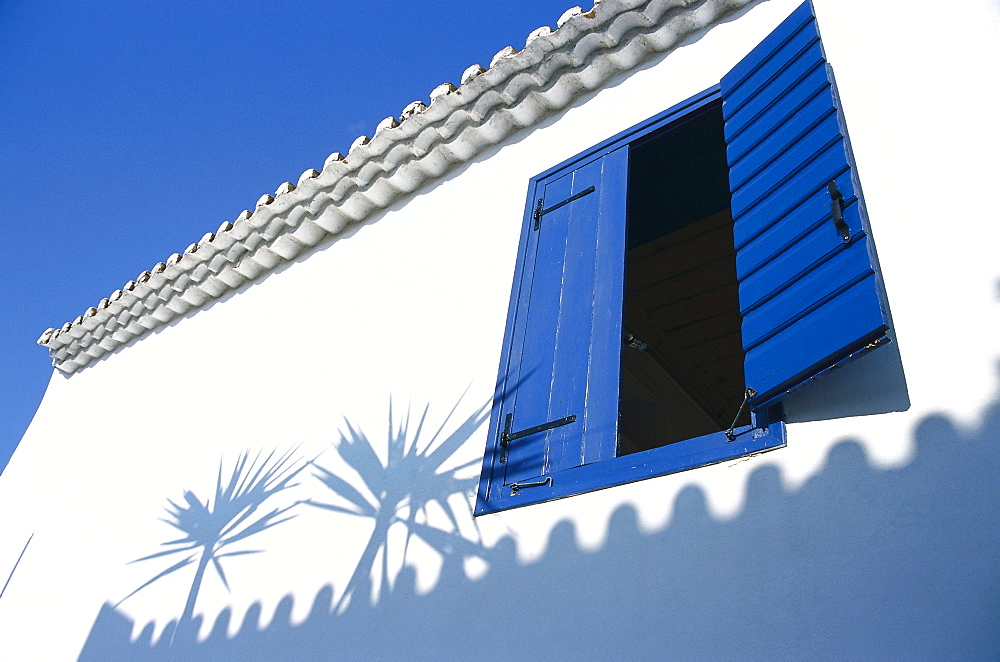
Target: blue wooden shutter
<point>566,338</point>
<point>808,297</point>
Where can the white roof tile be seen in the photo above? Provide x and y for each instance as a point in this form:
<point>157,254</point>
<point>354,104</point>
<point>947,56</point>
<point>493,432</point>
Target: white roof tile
<point>518,90</point>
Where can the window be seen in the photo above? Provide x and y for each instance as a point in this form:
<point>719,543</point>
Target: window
<point>675,282</point>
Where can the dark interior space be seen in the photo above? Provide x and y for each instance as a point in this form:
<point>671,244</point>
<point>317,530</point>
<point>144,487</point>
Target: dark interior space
<point>682,376</point>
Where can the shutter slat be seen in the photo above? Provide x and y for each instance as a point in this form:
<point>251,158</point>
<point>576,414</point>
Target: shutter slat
<point>795,261</point>
<point>814,119</point>
<point>808,299</point>
<point>810,290</point>
<point>792,195</point>
<point>796,159</point>
<point>788,55</point>
<point>790,229</point>
<point>851,314</point>
<point>790,103</point>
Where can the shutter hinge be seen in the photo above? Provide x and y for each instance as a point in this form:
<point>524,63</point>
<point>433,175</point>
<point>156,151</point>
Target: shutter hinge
<point>507,436</point>
<point>539,211</point>
<point>631,341</point>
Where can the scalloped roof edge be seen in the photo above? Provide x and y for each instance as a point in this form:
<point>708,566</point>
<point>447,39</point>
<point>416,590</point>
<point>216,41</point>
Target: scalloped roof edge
<point>519,89</point>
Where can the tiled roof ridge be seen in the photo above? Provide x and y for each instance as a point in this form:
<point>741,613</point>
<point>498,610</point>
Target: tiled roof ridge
<point>520,88</point>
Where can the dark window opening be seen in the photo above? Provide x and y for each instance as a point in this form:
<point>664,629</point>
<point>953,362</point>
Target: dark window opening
<point>682,359</point>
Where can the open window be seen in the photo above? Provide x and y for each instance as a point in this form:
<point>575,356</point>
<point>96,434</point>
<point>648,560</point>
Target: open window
<point>675,282</point>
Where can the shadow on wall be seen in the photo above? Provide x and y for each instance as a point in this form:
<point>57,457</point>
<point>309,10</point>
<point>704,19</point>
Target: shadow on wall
<point>418,474</point>
<point>858,563</point>
<point>209,530</point>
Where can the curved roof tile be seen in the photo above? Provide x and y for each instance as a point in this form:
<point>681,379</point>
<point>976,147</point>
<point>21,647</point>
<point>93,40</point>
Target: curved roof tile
<point>518,90</point>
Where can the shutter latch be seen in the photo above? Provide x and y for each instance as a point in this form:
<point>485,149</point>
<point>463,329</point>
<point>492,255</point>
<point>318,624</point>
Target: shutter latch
<point>837,208</point>
<point>507,436</point>
<point>539,211</point>
<point>517,487</point>
<point>749,393</point>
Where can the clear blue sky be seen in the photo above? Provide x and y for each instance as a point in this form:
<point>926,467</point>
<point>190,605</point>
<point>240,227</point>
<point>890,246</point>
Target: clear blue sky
<point>130,129</point>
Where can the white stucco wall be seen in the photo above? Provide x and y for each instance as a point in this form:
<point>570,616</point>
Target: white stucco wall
<point>864,537</point>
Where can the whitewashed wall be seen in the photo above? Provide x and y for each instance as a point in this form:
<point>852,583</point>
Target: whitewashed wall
<point>866,537</point>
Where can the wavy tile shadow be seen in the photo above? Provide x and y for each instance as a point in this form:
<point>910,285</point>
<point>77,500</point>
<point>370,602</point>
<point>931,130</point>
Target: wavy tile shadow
<point>901,563</point>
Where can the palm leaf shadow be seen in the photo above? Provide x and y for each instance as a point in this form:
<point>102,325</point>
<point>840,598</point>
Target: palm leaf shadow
<point>235,514</point>
<point>401,489</point>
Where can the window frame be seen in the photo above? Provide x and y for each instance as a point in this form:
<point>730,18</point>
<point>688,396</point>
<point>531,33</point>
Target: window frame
<point>811,295</point>
<point>766,431</point>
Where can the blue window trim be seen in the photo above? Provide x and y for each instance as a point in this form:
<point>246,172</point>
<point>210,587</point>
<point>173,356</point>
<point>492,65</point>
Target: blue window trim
<point>630,135</point>
<point>689,454</point>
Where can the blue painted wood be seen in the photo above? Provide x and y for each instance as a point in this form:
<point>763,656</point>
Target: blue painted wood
<point>796,158</point>
<point>850,314</point>
<point>819,285</point>
<point>566,336</point>
<point>634,134</point>
<point>789,228</point>
<point>491,483</point>
<point>778,78</point>
<point>604,370</point>
<point>691,454</point>
<point>806,124</point>
<point>533,360</point>
<point>789,103</point>
<point>795,196</point>
<point>807,252</point>
<point>808,299</point>
<point>748,76</point>
<point>576,324</point>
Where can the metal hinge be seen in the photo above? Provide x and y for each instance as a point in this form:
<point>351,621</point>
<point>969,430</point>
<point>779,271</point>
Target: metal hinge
<point>631,341</point>
<point>507,436</point>
<point>539,211</point>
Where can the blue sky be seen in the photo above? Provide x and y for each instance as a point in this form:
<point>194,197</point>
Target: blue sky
<point>130,129</point>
